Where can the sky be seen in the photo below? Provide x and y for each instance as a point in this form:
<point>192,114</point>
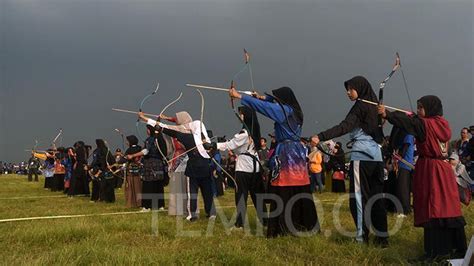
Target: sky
<point>65,64</point>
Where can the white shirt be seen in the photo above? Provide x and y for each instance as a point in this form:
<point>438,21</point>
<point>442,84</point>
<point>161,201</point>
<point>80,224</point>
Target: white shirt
<point>195,128</point>
<point>241,143</point>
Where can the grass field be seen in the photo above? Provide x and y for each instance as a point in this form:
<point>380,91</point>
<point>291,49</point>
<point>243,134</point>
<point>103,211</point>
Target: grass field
<point>130,239</point>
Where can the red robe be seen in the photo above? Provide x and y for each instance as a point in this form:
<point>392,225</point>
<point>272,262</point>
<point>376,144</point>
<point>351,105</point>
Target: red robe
<point>435,193</point>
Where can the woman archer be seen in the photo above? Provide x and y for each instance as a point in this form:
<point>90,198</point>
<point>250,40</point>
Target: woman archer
<point>436,203</point>
<point>248,169</point>
<point>290,184</point>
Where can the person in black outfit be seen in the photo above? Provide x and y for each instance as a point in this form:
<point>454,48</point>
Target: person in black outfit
<point>103,187</point>
<point>198,166</point>
<point>155,176</point>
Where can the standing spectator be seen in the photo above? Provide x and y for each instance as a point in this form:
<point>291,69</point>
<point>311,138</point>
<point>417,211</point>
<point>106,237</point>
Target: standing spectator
<point>69,161</point>
<point>461,146</point>
<point>315,170</point>
<point>230,167</point>
<point>263,155</point>
<point>119,175</point>
<point>470,153</point>
<point>273,144</point>
<point>462,179</point>
<point>337,165</point>
<point>407,152</point>
<point>218,180</point>
<point>33,166</point>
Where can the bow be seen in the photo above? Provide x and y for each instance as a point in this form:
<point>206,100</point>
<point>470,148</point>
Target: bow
<point>159,117</point>
<point>405,83</point>
<point>53,143</point>
<point>141,107</point>
<point>202,115</point>
<point>123,139</point>
<point>34,147</point>
<point>383,83</point>
<point>170,104</point>
<point>204,140</point>
<point>111,166</point>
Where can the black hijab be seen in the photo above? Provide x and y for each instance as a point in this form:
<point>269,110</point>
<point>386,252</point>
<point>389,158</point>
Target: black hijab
<point>285,96</point>
<point>132,140</point>
<point>363,88</point>
<point>251,123</point>
<point>432,105</point>
<point>81,152</point>
<point>366,114</point>
<point>101,147</point>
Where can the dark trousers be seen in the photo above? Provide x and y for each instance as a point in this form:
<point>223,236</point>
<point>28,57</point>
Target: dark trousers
<point>203,183</point>
<point>316,179</point>
<point>95,196</point>
<point>403,189</point>
<point>31,173</point>
<point>249,183</point>
<point>366,182</point>
<point>153,189</point>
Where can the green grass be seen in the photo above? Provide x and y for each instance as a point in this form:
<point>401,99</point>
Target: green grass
<point>129,239</point>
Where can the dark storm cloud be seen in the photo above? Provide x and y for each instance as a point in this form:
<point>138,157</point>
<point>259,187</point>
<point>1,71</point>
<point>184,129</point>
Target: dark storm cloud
<point>65,64</point>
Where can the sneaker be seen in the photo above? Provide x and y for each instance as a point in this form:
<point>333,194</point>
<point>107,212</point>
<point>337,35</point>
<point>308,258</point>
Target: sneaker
<point>161,209</point>
<point>191,218</point>
<point>145,209</point>
<point>212,217</point>
<point>401,215</point>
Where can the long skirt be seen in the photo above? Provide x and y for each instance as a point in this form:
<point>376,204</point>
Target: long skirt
<point>95,195</point>
<point>338,186</point>
<point>445,237</point>
<point>107,192</point>
<point>178,194</point>
<point>133,190</point>
<point>298,214</point>
<point>153,191</point>
<point>48,182</point>
<point>78,182</point>
<point>58,182</point>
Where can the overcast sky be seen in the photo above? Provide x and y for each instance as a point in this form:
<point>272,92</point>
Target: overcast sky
<point>65,64</point>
